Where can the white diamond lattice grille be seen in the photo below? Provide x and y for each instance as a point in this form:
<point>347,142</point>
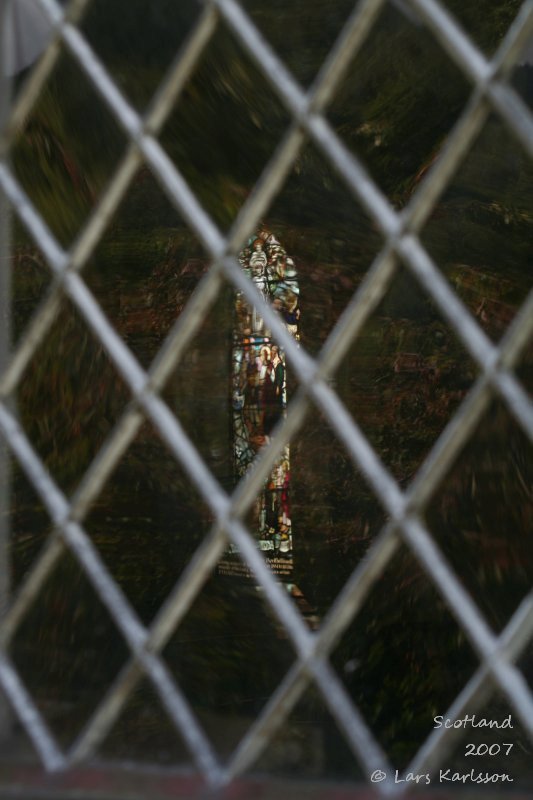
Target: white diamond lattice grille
<point>491,93</point>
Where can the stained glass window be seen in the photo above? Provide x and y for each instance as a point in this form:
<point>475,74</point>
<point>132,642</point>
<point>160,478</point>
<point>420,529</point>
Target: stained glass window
<point>259,394</point>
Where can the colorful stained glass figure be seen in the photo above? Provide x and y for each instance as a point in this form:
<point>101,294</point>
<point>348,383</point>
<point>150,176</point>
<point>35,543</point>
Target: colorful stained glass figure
<point>259,393</point>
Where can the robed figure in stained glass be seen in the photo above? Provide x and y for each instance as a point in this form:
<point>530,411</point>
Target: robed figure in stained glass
<point>259,390</point>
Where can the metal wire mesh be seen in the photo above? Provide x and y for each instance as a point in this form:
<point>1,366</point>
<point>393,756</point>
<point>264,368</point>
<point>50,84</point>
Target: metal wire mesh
<point>491,93</point>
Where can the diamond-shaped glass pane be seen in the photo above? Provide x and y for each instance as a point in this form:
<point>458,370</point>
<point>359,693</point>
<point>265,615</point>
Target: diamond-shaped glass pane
<point>145,266</point>
<point>302,41</point>
<point>67,650</point>
<point>481,516</point>
<point>147,523</point>
<point>229,655</point>
<point>403,659</point>
<point>69,397</point>
<point>224,128</point>
<point>404,377</point>
<point>66,150</point>
<point>336,515</point>
<point>310,745</point>
<point>480,231</point>
<point>198,389</point>
<point>138,55</point>
<point>144,732</point>
<point>398,101</point>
